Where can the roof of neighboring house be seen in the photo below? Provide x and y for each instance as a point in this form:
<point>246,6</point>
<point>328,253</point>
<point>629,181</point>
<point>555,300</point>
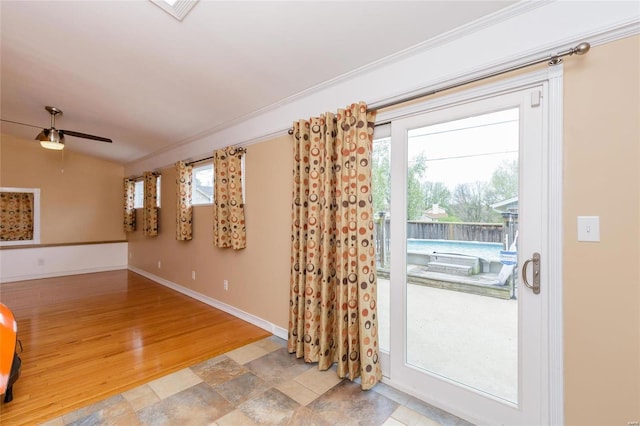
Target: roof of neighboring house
<point>436,212</point>
<point>508,205</point>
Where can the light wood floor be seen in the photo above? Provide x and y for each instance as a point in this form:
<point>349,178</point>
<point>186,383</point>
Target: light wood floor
<point>88,337</point>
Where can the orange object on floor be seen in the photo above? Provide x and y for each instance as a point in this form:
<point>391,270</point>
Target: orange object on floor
<point>9,360</point>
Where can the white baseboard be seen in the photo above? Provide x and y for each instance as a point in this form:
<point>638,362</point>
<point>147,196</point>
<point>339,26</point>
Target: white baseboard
<point>245,316</point>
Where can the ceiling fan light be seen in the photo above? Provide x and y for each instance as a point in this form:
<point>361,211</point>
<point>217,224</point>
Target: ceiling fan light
<point>52,145</point>
<point>51,139</point>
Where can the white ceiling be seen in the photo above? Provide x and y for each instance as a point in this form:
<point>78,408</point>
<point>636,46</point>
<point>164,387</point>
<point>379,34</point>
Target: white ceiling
<point>129,71</point>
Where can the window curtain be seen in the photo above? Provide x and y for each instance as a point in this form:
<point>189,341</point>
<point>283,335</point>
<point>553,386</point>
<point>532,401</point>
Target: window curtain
<point>332,315</point>
<point>184,209</point>
<point>129,209</point>
<point>228,222</point>
<point>16,216</point>
<point>150,206</point>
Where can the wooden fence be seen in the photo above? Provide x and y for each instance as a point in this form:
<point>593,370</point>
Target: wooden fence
<point>485,232</point>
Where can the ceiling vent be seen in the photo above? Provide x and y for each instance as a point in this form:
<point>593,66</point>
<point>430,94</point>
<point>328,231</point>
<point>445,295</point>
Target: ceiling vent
<point>176,8</point>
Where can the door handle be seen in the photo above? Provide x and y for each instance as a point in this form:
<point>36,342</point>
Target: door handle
<point>535,259</point>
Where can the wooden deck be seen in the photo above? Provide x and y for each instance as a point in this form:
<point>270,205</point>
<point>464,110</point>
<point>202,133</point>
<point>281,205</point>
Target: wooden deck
<point>482,284</point>
<point>88,337</point>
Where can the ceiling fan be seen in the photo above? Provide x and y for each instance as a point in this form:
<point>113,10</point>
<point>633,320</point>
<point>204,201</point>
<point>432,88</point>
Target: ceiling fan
<point>53,138</point>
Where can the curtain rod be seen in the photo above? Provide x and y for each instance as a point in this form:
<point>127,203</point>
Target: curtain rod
<point>556,59</point>
<point>240,148</point>
<point>199,161</point>
<point>140,177</point>
<point>188,164</point>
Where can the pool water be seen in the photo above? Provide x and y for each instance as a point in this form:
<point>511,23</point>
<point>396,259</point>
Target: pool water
<point>489,251</point>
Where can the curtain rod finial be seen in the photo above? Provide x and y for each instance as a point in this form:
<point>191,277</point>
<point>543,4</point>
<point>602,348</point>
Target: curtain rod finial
<point>582,48</point>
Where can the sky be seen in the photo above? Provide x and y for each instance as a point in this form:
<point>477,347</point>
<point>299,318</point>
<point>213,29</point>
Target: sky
<point>466,150</point>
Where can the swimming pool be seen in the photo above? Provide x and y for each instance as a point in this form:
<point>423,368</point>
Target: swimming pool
<point>489,251</point>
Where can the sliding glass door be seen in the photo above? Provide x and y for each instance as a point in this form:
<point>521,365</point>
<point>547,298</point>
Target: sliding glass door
<point>461,205</point>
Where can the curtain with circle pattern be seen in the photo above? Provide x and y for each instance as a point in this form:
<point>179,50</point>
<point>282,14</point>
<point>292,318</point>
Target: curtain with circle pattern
<point>16,216</point>
<point>129,205</point>
<point>150,206</point>
<point>333,314</point>
<point>229,228</point>
<point>184,209</point>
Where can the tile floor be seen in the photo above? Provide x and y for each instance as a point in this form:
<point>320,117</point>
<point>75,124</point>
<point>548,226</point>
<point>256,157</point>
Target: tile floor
<point>257,384</point>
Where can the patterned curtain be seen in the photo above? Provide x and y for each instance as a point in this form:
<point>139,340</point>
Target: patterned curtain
<point>129,209</point>
<point>332,315</point>
<point>150,206</point>
<point>184,209</point>
<point>228,222</point>
<point>16,216</point>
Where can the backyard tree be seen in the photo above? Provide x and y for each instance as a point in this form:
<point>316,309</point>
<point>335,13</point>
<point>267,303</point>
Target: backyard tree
<point>471,202</point>
<point>437,193</point>
<point>381,180</point>
<point>381,175</point>
<point>415,192</point>
<point>504,181</point>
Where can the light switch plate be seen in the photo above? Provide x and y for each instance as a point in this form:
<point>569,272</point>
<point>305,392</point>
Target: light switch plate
<point>588,228</point>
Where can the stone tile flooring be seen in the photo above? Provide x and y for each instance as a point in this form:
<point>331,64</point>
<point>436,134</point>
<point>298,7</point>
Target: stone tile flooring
<point>257,384</point>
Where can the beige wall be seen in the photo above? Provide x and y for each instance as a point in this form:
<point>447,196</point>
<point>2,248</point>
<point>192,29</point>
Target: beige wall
<point>258,275</point>
<point>80,197</point>
<point>601,280</point>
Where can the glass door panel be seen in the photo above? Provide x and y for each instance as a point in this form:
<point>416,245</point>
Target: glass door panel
<point>468,206</point>
<point>462,204</point>
<point>381,183</point>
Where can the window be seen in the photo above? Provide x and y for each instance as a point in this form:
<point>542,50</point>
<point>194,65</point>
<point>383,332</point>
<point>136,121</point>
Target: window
<point>20,216</point>
<point>202,190</point>
<point>202,185</point>
<point>138,199</point>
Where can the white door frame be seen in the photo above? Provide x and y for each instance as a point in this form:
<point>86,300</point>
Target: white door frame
<point>552,358</point>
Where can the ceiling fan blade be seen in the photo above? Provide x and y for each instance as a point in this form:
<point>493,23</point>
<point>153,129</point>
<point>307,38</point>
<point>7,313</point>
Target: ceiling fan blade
<point>85,136</point>
<point>22,124</point>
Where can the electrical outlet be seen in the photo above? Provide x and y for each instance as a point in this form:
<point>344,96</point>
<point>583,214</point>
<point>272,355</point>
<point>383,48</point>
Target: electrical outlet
<point>225,284</point>
<point>159,265</point>
<point>193,275</point>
